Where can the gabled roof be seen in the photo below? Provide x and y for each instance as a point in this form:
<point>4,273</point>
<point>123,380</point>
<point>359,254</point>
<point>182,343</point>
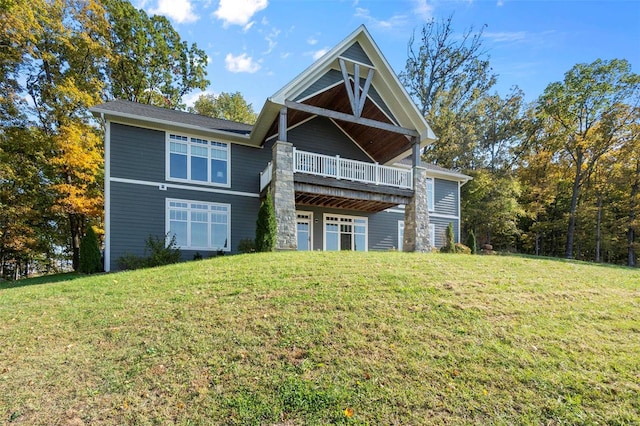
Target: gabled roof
<point>393,106</point>
<point>128,112</point>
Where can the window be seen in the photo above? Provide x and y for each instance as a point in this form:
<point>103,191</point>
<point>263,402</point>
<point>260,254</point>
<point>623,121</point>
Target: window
<point>198,160</point>
<point>345,233</point>
<point>430,194</point>
<point>197,225</point>
<point>432,234</point>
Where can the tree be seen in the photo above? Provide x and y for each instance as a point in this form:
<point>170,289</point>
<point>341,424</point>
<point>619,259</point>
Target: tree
<point>228,106</point>
<point>490,207</point>
<point>583,112</point>
<point>149,62</point>
<point>90,257</point>
<point>266,226</point>
<point>446,74</point>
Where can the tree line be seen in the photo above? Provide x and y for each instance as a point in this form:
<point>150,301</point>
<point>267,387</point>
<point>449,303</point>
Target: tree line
<point>557,177</point>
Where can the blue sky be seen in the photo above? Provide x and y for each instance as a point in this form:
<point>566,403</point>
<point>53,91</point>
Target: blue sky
<point>257,46</point>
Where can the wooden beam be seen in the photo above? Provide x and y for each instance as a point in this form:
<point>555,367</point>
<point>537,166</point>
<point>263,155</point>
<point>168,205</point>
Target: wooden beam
<point>347,85</point>
<point>350,118</point>
<point>282,125</point>
<point>365,91</point>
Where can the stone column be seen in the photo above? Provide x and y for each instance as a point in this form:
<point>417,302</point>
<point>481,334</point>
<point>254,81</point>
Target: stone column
<point>416,215</point>
<point>283,194</point>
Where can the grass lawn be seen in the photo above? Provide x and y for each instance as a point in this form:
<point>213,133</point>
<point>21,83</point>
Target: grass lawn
<point>326,338</point>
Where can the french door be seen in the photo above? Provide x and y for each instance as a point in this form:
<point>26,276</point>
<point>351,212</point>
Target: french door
<point>345,232</point>
<point>304,233</point>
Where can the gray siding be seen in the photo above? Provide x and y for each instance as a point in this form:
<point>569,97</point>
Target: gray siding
<point>320,135</point>
<point>441,229</point>
<point>356,53</point>
<point>383,231</point>
<point>445,197</point>
<point>246,164</point>
<point>139,154</point>
<point>138,211</point>
<point>329,79</point>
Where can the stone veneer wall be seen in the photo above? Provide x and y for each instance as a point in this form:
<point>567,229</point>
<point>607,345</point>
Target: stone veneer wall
<point>416,215</point>
<point>283,193</point>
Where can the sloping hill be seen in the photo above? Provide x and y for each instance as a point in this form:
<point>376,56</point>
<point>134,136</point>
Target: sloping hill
<point>318,338</point>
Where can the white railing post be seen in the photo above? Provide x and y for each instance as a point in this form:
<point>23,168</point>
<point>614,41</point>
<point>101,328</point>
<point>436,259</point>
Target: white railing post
<point>295,160</point>
<point>377,173</point>
<point>338,167</point>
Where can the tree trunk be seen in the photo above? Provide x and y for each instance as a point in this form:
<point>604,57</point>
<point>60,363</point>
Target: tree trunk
<point>76,226</point>
<point>568,252</point>
<point>598,223</point>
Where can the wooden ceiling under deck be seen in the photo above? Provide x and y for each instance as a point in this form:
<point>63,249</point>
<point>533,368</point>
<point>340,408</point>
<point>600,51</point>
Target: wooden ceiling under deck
<point>341,194</point>
<point>333,202</point>
<point>381,145</point>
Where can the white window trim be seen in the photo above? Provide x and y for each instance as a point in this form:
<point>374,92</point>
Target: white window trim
<point>432,234</point>
<point>324,229</point>
<point>188,247</point>
<point>310,214</point>
<point>189,145</point>
<point>431,197</point>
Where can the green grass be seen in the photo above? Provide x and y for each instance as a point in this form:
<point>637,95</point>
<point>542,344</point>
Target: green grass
<point>298,338</point>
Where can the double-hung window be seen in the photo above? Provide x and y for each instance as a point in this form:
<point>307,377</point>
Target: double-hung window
<point>197,225</point>
<point>198,160</point>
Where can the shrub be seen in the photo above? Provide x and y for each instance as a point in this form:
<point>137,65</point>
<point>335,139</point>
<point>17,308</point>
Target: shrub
<point>130,262</point>
<point>90,257</point>
<point>450,245</point>
<point>471,242</point>
<point>266,226</point>
<point>161,253</point>
<point>247,245</point>
<point>462,249</point>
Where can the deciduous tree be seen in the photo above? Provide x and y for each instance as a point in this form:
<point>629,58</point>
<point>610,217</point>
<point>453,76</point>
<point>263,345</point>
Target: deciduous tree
<point>228,106</point>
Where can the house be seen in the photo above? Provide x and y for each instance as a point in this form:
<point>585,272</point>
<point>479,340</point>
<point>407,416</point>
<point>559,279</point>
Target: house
<point>338,147</point>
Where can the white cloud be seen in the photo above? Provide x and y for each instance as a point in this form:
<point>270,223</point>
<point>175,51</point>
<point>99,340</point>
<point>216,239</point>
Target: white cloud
<point>391,23</point>
<point>506,36</point>
<point>241,63</point>
<point>423,9</point>
<point>318,53</point>
<point>192,97</point>
<point>500,3</point>
<point>285,55</point>
<point>271,40</point>
<point>180,11</point>
<point>238,12</point>
<point>312,40</point>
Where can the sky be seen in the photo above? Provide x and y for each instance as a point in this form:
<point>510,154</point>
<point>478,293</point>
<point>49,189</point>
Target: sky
<point>255,47</point>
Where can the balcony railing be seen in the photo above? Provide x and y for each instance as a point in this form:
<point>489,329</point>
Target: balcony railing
<point>342,168</point>
<point>357,171</point>
<point>265,176</point>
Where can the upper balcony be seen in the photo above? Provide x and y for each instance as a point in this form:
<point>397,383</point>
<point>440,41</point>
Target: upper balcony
<point>327,166</point>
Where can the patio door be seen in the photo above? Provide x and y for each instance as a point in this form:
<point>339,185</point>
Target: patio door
<point>304,223</point>
<point>345,232</point>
